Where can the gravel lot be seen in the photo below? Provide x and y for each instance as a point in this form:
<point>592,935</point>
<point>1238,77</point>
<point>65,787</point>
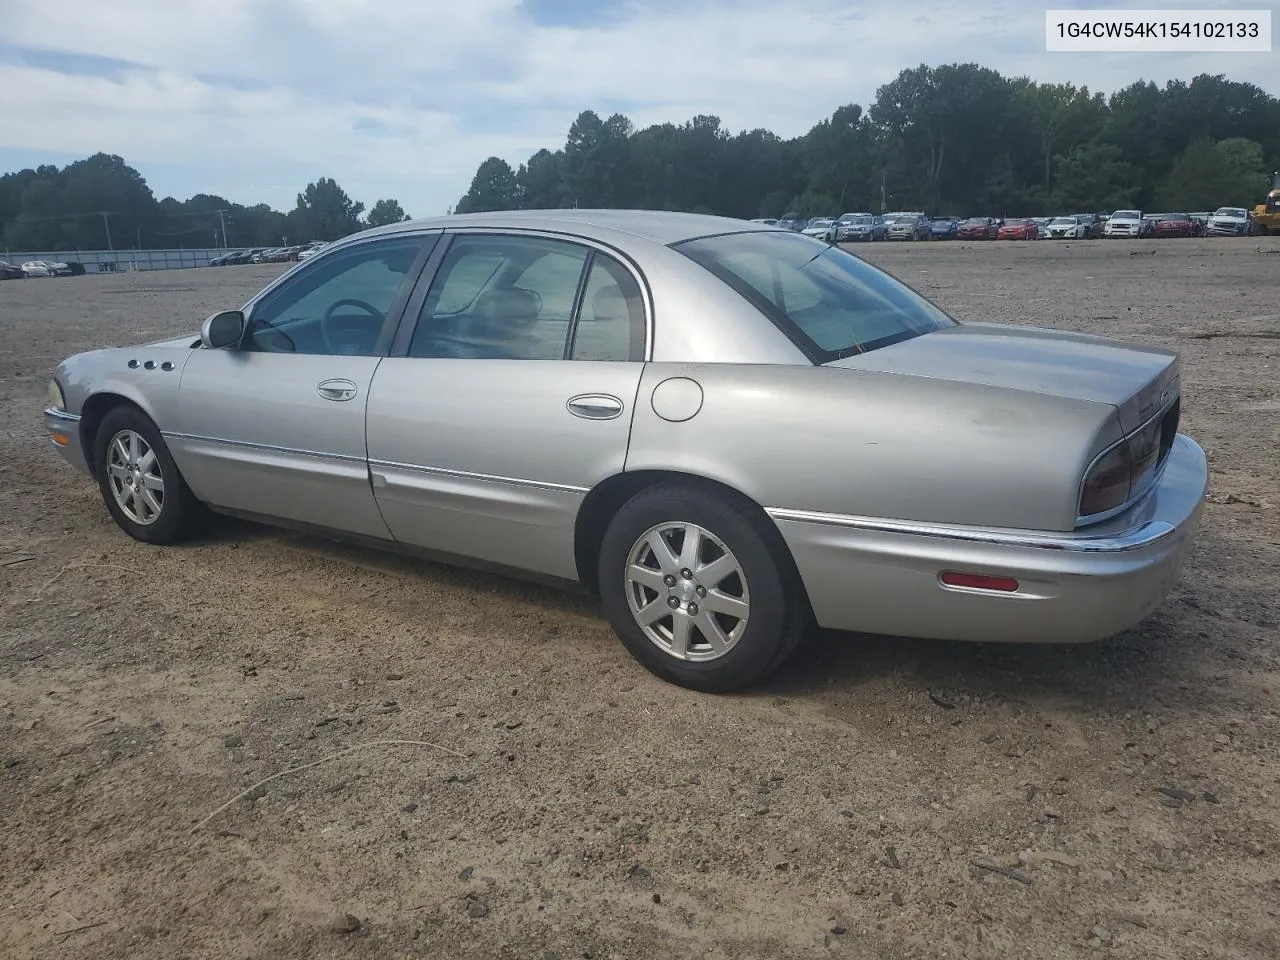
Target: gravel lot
<point>587,809</point>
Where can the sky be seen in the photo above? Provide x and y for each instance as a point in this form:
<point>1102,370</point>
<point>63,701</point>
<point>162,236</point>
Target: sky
<point>253,99</point>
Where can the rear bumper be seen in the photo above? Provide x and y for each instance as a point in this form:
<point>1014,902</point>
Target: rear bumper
<point>883,576</point>
<point>64,436</point>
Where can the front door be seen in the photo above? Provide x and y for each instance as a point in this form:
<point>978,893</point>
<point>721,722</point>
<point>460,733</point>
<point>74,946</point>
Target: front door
<point>276,427</point>
<point>511,399</point>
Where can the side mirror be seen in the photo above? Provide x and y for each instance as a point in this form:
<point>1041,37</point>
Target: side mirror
<point>222,330</point>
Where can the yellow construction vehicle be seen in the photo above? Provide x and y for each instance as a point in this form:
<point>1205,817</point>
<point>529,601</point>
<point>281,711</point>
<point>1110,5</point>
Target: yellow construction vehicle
<point>1266,215</point>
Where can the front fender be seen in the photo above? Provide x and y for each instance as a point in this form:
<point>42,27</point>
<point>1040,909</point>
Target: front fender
<point>146,376</point>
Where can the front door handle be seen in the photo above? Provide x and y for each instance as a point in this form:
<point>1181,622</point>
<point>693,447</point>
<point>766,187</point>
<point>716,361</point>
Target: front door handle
<point>337,389</point>
<point>595,406</point>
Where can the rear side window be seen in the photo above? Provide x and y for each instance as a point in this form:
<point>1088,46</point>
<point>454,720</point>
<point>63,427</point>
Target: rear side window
<point>611,323</point>
<point>829,302</point>
<point>501,297</point>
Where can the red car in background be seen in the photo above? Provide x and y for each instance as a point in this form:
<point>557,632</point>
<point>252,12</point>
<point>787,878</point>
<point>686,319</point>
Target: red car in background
<point>978,228</point>
<point>1173,225</point>
<point>1019,230</point>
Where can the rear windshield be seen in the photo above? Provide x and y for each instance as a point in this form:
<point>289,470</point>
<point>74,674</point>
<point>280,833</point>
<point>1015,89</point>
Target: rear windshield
<point>829,302</point>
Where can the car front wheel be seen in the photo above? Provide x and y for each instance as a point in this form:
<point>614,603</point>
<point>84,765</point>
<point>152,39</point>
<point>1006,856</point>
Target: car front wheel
<point>141,486</point>
<point>700,587</point>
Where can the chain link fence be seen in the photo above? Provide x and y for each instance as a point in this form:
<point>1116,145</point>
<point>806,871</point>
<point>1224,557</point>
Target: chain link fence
<point>119,261</point>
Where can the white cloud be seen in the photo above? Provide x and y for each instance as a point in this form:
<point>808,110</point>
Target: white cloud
<point>254,98</point>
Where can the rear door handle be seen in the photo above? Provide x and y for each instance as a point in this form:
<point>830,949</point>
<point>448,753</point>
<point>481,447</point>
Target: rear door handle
<point>337,389</point>
<point>595,406</point>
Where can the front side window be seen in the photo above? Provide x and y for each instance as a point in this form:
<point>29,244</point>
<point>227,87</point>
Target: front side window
<point>829,302</point>
<point>501,297</point>
<point>337,304</point>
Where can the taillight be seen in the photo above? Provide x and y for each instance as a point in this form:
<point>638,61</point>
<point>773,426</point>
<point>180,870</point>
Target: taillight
<point>1144,451</point>
<point>1126,470</point>
<point>1106,485</point>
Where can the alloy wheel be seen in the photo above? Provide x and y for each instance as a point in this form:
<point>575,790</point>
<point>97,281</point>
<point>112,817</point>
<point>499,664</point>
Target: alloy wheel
<point>687,591</point>
<point>133,471</point>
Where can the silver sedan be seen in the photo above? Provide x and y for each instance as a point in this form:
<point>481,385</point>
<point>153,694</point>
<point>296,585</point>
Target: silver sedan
<point>728,431</point>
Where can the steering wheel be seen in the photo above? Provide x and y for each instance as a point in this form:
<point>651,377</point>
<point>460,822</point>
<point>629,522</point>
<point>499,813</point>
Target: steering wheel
<point>332,333</point>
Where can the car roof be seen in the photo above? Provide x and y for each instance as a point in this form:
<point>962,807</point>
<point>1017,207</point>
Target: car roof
<point>659,226</point>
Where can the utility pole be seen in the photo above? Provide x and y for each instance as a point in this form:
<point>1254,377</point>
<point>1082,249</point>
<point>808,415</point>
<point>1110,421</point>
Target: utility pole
<point>106,225</point>
<point>222,216</point>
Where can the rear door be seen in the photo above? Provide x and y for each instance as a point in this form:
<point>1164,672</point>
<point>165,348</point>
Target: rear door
<point>508,396</point>
<point>276,426</point>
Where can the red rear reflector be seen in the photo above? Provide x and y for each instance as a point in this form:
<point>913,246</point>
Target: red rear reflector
<point>977,581</point>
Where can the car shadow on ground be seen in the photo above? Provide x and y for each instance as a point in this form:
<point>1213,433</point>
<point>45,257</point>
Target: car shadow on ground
<point>1160,661</point>
<point>1144,668</point>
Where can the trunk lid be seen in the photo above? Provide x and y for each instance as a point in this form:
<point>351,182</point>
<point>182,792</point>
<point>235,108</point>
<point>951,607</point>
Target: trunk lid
<point>1137,381</point>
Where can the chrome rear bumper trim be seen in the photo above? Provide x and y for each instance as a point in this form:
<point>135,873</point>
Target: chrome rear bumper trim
<point>1136,539</point>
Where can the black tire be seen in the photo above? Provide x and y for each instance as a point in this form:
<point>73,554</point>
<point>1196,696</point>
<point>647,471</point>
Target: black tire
<point>779,613</point>
<point>180,515</point>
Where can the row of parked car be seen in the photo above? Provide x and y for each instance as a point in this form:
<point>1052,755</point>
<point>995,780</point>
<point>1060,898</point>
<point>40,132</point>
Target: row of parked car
<point>300,251</point>
<point>1223,222</point>
<point>40,268</point>
<point>916,225</point>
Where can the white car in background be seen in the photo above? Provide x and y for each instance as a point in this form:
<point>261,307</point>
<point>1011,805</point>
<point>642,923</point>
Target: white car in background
<point>1125,223</point>
<point>819,227</point>
<point>1228,222</point>
<point>1065,228</point>
<point>37,268</point>
<point>310,252</point>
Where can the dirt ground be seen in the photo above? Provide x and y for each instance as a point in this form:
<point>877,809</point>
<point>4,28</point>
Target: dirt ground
<point>576,807</point>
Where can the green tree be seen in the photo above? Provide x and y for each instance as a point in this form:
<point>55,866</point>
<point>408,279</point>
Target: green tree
<point>1060,114</point>
<point>836,154</point>
<point>1094,177</point>
<point>541,181</point>
<point>773,206</point>
<point>1208,175</point>
<point>953,138</point>
<point>814,204</point>
<point>494,187</point>
<point>384,212</point>
<point>324,212</point>
<point>595,161</point>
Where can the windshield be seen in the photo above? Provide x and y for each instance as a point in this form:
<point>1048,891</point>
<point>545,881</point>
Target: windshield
<point>855,219</point>
<point>1126,215</point>
<point>1230,212</point>
<point>829,302</point>
<point>977,221</point>
<point>1016,223</point>
<point>1064,221</point>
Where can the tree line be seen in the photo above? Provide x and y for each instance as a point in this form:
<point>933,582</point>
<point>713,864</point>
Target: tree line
<point>958,139</point>
<point>101,202</point>
<point>955,139</point>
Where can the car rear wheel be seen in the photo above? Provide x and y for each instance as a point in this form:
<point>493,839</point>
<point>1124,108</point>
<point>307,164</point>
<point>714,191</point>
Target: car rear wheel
<point>141,486</point>
<point>700,587</point>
